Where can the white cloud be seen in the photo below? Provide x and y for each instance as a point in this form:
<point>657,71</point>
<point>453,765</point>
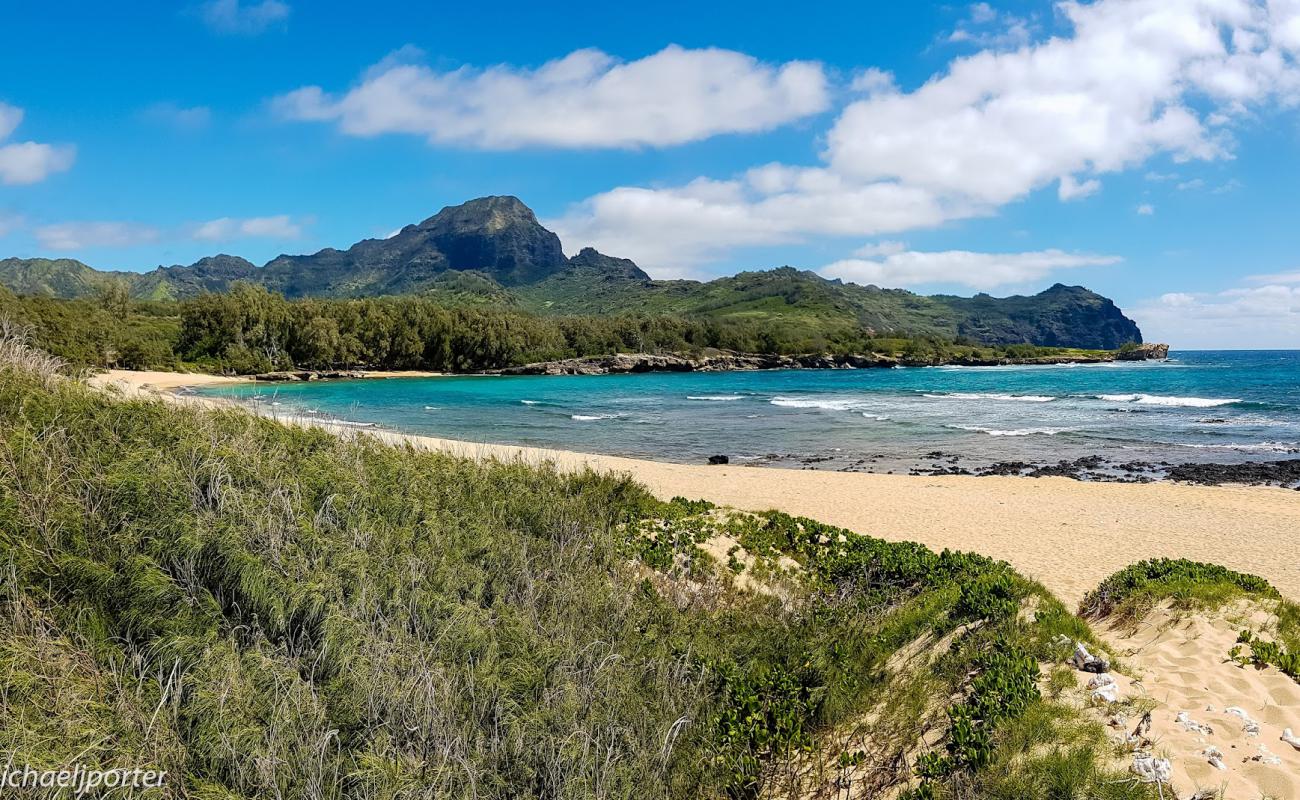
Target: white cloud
<point>872,80</point>
<point>585,99</point>
<point>881,248</point>
<point>248,19</point>
<point>226,228</point>
<point>987,27</point>
<point>978,270</point>
<point>1277,278</point>
<point>1145,209</point>
<point>1072,189</point>
<point>1192,185</point>
<point>1135,79</point>
<point>1257,317</point>
<point>10,119</point>
<point>79,235</point>
<point>179,117</point>
<point>672,231</point>
<point>982,13</point>
<point>28,162</point>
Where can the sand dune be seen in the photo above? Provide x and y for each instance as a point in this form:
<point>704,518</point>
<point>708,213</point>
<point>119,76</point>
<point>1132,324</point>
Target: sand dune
<point>1179,663</point>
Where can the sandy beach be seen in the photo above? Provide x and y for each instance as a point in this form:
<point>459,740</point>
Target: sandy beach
<point>1065,533</point>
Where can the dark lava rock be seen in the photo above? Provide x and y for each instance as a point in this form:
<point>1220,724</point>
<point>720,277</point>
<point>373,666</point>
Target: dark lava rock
<point>719,460</point>
<point>1255,473</point>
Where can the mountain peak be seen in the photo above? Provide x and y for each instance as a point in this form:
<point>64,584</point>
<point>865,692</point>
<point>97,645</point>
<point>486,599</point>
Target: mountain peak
<point>492,213</point>
<point>497,235</point>
<point>591,260</point>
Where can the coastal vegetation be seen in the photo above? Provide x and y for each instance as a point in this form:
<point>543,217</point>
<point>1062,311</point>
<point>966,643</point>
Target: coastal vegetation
<point>108,329</point>
<point>251,330</point>
<point>268,611</point>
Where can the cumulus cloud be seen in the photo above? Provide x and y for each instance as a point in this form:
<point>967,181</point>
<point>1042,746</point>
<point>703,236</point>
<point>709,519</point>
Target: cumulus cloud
<point>1145,209</point>
<point>985,26</point>
<point>28,162</point>
<point>1071,188</point>
<point>872,80</point>
<point>247,19</point>
<point>1132,80</point>
<point>80,235</point>
<point>586,99</point>
<point>224,229</point>
<point>1251,317</point>
<point>673,231</point>
<point>980,271</point>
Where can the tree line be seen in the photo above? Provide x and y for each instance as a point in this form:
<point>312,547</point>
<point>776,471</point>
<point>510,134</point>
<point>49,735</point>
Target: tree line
<point>251,329</point>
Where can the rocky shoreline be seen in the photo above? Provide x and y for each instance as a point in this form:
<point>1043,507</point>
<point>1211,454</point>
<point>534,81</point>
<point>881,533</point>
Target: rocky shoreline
<point>729,361</point>
<point>1284,473</point>
<point>284,376</point>
<point>732,361</point>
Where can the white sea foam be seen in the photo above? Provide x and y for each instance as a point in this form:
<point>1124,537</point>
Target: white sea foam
<point>431,408</point>
<point>1165,400</point>
<point>1010,431</point>
<point>351,423</point>
<point>592,417</point>
<point>1022,398</point>
<point>719,398</point>
<point>530,402</point>
<point>828,403</point>
<point>877,417</point>
<point>1250,447</point>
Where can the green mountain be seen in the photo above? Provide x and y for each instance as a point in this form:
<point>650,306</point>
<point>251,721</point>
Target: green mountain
<point>57,277</point>
<point>493,251</point>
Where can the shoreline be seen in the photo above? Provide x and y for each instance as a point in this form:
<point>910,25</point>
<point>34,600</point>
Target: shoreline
<point>1065,533</point>
<point>135,381</point>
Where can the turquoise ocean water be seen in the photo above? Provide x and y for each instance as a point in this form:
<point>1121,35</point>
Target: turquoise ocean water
<point>1198,406</point>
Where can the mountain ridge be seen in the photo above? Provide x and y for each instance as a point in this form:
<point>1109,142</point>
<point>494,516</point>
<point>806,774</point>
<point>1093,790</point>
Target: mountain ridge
<point>494,250</point>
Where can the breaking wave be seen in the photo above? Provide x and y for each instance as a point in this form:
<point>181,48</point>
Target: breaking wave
<point>1022,398</point>
<point>1010,431</point>
<point>1166,400</point>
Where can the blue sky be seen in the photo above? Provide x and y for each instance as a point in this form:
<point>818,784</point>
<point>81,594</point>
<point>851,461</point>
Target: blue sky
<point>1144,148</point>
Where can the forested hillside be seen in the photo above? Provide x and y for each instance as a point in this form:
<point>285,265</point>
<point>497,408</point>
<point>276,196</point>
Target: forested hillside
<point>493,252</point>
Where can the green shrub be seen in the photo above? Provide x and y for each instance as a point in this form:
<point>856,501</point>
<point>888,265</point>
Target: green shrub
<point>1264,653</point>
<point>1140,585</point>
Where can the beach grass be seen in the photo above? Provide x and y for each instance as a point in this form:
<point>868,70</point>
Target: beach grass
<point>266,611</point>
